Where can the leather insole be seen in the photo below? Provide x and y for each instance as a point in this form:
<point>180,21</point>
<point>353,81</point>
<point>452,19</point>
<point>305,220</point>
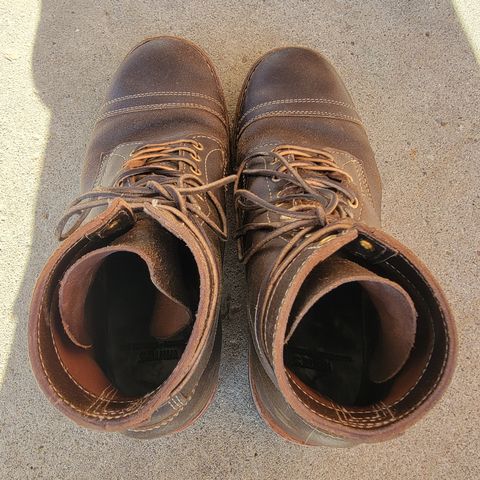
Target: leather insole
<point>120,302</point>
<point>331,348</point>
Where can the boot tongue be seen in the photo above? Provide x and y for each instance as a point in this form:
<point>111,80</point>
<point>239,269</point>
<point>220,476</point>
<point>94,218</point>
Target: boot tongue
<point>393,305</point>
<point>159,250</point>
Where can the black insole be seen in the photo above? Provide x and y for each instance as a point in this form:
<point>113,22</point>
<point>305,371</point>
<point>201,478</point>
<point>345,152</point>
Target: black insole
<point>331,348</point>
<point>120,304</point>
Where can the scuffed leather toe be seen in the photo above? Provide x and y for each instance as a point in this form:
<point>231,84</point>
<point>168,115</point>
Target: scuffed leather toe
<point>165,69</point>
<point>294,82</point>
<point>302,71</point>
<point>164,84</point>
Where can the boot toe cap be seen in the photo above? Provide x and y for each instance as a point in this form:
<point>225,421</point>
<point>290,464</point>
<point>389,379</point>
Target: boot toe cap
<point>165,70</point>
<point>293,74</point>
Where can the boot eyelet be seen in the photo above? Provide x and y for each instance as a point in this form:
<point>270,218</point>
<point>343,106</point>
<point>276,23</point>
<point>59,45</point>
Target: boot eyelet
<point>354,204</point>
<point>366,245</point>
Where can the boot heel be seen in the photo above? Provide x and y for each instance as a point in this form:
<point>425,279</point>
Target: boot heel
<point>278,415</point>
<point>197,402</point>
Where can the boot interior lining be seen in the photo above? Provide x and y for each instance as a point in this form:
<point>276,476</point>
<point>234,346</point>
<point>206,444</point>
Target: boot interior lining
<point>120,304</point>
<point>331,348</point>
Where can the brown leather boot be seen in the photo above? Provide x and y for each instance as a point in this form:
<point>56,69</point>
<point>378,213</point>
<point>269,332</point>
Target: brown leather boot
<point>353,340</point>
<point>124,332</point>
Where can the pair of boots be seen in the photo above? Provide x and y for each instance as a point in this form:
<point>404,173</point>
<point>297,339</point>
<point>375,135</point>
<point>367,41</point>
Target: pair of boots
<point>351,337</point>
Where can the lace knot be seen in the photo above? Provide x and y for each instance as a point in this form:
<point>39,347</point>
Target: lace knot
<point>314,202</point>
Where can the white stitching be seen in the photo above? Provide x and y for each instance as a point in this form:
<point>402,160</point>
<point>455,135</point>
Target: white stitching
<point>158,94</point>
<point>360,171</point>
<point>431,350</point>
<point>160,106</point>
<point>308,113</point>
<point>106,156</point>
<point>332,406</point>
<point>296,100</point>
<point>170,419</point>
<point>214,139</point>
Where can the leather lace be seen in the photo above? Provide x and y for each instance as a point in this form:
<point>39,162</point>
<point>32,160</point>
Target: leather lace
<point>314,204</point>
<point>167,175</point>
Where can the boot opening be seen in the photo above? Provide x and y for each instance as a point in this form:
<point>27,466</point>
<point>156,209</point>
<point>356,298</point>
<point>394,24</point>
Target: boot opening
<point>121,321</point>
<point>139,334</point>
<point>366,343</point>
<point>332,347</point>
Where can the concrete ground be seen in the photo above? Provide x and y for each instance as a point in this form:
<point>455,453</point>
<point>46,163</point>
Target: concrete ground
<point>413,70</point>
